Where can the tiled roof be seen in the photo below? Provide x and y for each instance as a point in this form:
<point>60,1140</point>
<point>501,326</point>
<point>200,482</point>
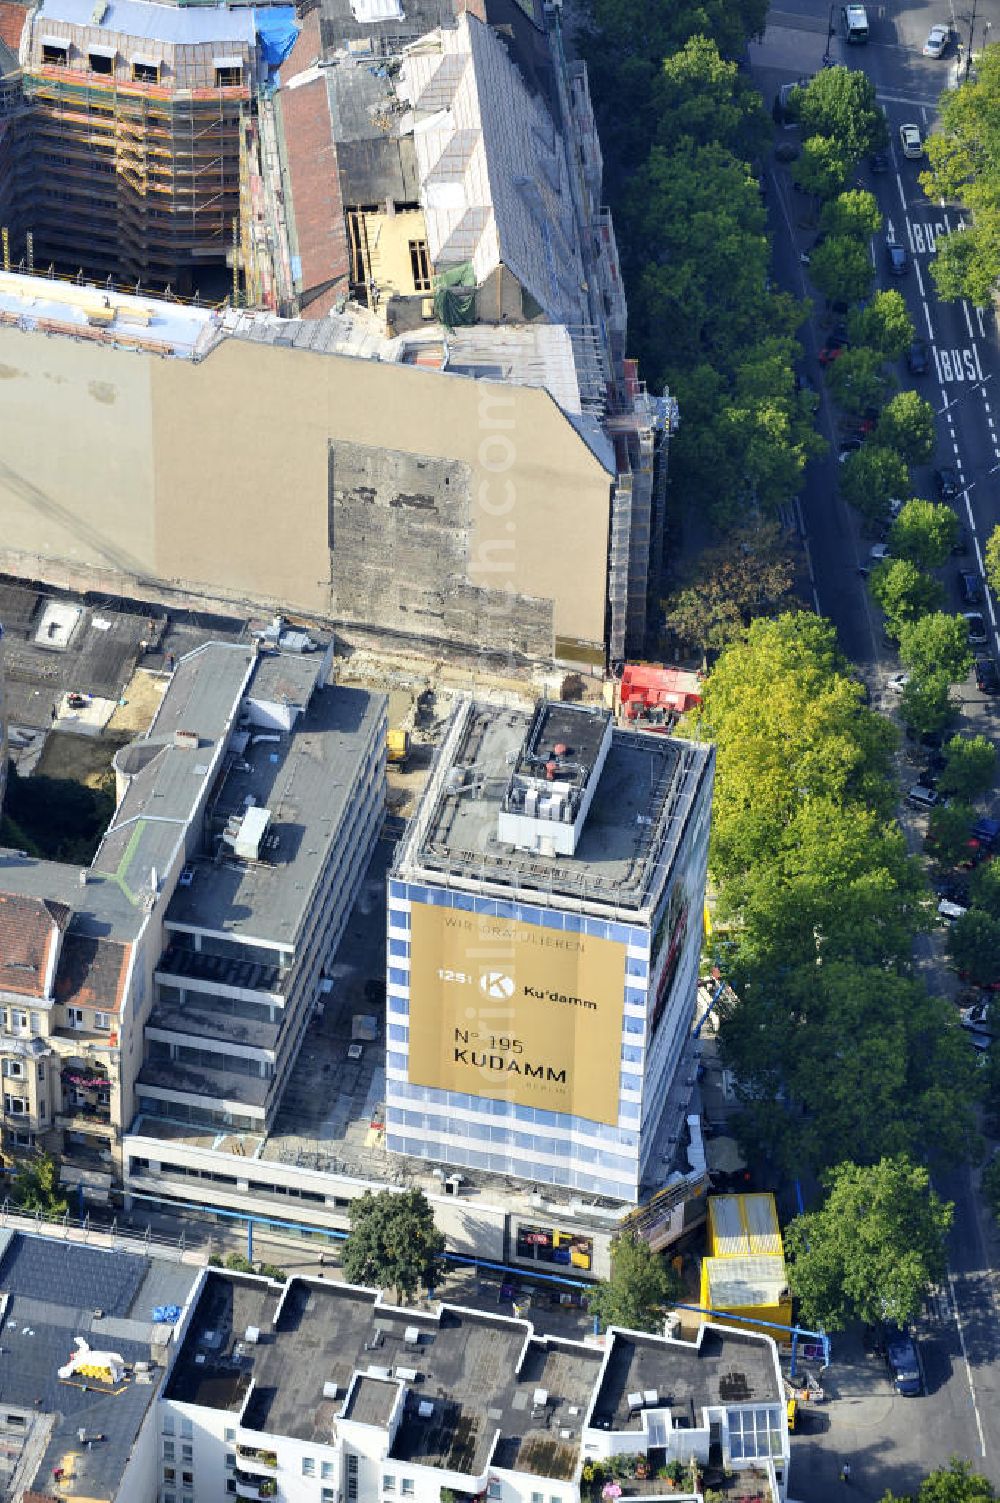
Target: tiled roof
<point>92,972</point>
<point>29,927</point>
<point>317,210</point>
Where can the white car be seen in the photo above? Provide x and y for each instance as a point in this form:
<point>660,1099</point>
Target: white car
<point>937,42</point>
<point>911,142</point>
<point>898,682</point>
<point>880,552</point>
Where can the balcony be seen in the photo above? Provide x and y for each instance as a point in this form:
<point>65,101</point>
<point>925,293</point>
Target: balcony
<point>250,1486</point>
<point>177,964</point>
<point>254,1461</point>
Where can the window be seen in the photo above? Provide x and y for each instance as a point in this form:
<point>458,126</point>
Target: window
<point>230,1463</point>
<point>100,62</point>
<point>229,1436</point>
<point>15,1421</point>
<point>14,1106</point>
<point>169,1497</point>
<point>309,1466</point>
<point>102,1020</point>
<point>388,1483</point>
<point>187,1430</point>
<point>18,1021</point>
<point>420,266</point>
<point>187,1454</point>
<point>145,72</point>
<point>55,52</point>
<point>326,1470</point>
<point>75,1016</point>
<point>538,1498</point>
<point>41,1106</point>
<point>168,1419</point>
<point>36,1023</point>
<point>229,76</point>
<point>352,1478</point>
<point>408,1487</point>
<point>494,1489</point>
<point>13,1067</point>
<point>187,1479</point>
<point>41,1072</point>
<point>230,1484</point>
<point>328,1495</point>
<point>168,1450</point>
<point>169,1474</point>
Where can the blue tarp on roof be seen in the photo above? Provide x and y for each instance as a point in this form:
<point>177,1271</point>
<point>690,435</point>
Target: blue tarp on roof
<point>277,30</point>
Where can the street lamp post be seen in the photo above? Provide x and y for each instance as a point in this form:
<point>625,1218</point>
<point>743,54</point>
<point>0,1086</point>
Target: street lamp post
<point>829,36</point>
<point>972,28</point>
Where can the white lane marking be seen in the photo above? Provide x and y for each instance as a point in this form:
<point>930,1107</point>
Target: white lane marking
<point>965,1355</point>
<point>937,361</point>
<point>909,236</point>
<point>989,597</point>
<point>972,524</point>
<point>979,556</point>
<point>871,252</point>
<point>968,320</point>
<point>923,114</point>
<point>927,320</point>
<point>902,195</point>
<point>920,280</point>
<point>979,368</point>
<point>982,326</point>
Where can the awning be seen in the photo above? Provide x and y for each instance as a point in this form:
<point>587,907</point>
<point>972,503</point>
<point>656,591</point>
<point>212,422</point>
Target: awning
<point>96,51</point>
<point>149,62</point>
<point>62,42</point>
<point>227,62</point>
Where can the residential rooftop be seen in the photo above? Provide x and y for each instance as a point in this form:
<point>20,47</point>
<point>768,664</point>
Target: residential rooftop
<point>87,311</point>
<point>474,1389</point>
<point>55,1292</point>
<point>632,831</point>
<point>182,24</point>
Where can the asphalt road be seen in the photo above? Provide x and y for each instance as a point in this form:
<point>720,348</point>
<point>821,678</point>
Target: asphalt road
<point>891,1441</point>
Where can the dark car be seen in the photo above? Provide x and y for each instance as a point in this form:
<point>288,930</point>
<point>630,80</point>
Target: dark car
<point>961,543</point>
<point>968,587</point>
<point>918,358</point>
<point>832,350</point>
<point>947,481</point>
<point>987,676</point>
<point>977,628</point>
<point>899,261</point>
<point>879,161</point>
<point>903,1362</point>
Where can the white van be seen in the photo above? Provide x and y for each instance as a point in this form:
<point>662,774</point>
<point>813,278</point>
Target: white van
<point>854,23</point>
<point>950,912</point>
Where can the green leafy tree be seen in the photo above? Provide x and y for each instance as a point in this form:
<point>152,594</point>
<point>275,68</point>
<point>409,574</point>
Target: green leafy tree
<point>641,1289</point>
<point>924,533</point>
<point>991,559</point>
<point>954,1483</point>
<point>948,833</point>
<point>970,767</point>
<point>984,888</point>
<point>883,325</point>
<point>926,704</point>
<point>750,574</point>
<point>855,214</point>
<point>858,381</point>
<point>842,270</point>
<point>701,97</point>
<point>873,1250</point>
<point>907,425</point>
<point>935,644</point>
<point>393,1242</point>
<point>974,945</point>
<point>36,1186</point>
<point>991,1194</point>
<point>871,478</point>
<point>840,103</point>
<point>821,167</point>
<point>962,163</point>
<point>904,592</point>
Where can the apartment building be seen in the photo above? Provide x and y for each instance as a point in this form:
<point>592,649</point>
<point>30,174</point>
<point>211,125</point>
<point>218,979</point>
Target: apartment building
<point>175,976</point>
<point>545,921</point>
<point>316,1393</point>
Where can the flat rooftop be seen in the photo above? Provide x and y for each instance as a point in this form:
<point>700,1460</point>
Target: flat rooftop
<point>722,1367</point>
<point>632,832</point>
<point>56,1291</point>
<point>305,779</point>
<point>145,323</point>
<point>162,23</point>
<point>474,1398</point>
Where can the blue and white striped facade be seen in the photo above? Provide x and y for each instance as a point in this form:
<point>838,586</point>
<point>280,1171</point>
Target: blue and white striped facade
<point>528,1143</point>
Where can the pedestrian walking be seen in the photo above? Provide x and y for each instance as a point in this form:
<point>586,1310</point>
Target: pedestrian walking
<point>845,1472</point>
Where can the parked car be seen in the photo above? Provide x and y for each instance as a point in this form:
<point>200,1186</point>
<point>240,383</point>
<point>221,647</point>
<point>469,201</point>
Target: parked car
<point>898,682</point>
<point>961,543</point>
<point>834,347</point>
<point>976,628</point>
<point>922,797</point>
<point>968,587</point>
<point>987,676</point>
<point>917,357</point>
<point>899,261</point>
<point>849,446</point>
<point>879,552</point>
<point>903,1361</point>
<point>937,41</point>
<point>949,912</point>
<point>911,142</point>
<point>947,481</point>
<point>979,1019</point>
<point>878,161</point>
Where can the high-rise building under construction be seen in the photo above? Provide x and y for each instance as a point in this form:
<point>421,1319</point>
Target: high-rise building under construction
<point>129,155</point>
